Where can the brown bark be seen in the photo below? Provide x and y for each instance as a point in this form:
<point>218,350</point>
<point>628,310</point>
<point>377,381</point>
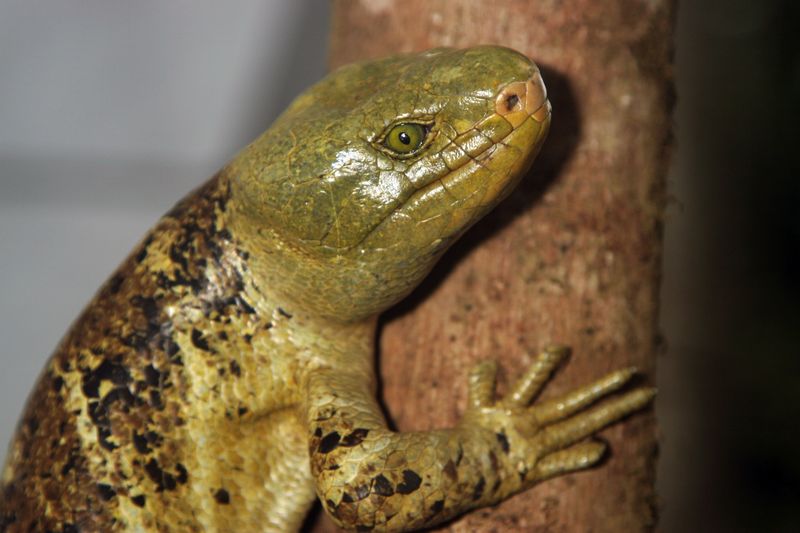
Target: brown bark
<point>573,256</point>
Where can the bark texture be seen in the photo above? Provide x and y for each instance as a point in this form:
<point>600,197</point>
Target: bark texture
<point>572,257</point>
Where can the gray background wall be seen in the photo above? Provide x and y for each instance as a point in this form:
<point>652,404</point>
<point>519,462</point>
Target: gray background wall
<point>111,111</point>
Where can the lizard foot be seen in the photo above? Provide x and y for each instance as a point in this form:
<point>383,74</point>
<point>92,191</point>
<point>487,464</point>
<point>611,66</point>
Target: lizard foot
<point>549,438</point>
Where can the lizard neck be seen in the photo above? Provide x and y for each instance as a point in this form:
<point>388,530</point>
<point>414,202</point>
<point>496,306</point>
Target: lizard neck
<point>259,264</point>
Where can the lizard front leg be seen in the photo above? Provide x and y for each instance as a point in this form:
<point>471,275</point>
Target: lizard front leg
<point>370,478</point>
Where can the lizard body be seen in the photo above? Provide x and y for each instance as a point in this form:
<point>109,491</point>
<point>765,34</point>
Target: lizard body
<point>223,378</point>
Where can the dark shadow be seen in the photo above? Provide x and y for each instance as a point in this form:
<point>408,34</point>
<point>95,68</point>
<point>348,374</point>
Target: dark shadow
<point>312,518</point>
<point>565,131</point>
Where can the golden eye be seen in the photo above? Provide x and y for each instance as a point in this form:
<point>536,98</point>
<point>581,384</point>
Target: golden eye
<point>405,138</point>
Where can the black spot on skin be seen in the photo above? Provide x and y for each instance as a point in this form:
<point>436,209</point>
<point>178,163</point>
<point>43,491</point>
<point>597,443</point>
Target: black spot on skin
<point>154,377</point>
<point>512,101</point>
<point>354,438</point>
<point>496,486</point>
<point>247,338</point>
<point>109,370</point>
<point>329,442</point>
<point>503,440</point>
<point>382,486</point>
<point>411,482</point>
<point>284,313</point>
<point>58,383</point>
<point>106,492</point>
<point>478,492</point>
<point>333,467</point>
<point>199,342</point>
<point>139,500</point>
<point>236,370</point>
<point>222,497</point>
<point>140,443</point>
<point>242,410</point>
<point>183,474</point>
<point>103,434</point>
<point>346,498</point>
<point>154,438</point>
<point>318,432</point>
<point>164,480</point>
<point>155,400</point>
<point>330,505</point>
<point>362,491</point>
<point>437,506</point>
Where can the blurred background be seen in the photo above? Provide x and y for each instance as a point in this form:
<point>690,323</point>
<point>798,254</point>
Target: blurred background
<point>111,111</point>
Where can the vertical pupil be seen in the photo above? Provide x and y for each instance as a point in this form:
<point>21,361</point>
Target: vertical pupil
<point>404,138</point>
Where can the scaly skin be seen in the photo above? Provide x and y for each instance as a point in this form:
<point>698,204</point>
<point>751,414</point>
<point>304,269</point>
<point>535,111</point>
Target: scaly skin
<point>223,377</point>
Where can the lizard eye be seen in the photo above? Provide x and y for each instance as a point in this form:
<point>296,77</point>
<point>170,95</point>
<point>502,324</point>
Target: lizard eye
<point>405,138</point>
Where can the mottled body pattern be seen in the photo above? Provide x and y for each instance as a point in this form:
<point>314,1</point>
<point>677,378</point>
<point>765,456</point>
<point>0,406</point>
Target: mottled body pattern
<point>150,373</point>
<point>223,377</point>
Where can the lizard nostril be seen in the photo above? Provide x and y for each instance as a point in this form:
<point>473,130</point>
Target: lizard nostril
<point>511,101</point>
<point>521,99</point>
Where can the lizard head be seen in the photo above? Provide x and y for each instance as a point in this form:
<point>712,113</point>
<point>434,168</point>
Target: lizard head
<point>369,176</point>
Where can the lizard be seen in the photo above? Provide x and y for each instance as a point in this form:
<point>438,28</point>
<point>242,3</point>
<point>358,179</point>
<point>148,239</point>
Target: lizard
<point>223,378</point>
